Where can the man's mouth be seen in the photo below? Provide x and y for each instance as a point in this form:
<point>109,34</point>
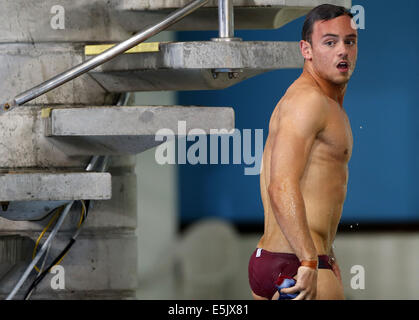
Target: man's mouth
<point>343,66</point>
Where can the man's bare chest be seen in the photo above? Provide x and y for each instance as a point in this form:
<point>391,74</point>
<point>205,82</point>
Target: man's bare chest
<point>336,139</point>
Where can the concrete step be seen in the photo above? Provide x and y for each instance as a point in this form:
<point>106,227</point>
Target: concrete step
<point>113,130</point>
<point>201,65</point>
<point>31,196</point>
<point>55,186</point>
<point>23,144</point>
<point>143,5</point>
<point>258,14</point>
<point>106,217</point>
<point>115,20</point>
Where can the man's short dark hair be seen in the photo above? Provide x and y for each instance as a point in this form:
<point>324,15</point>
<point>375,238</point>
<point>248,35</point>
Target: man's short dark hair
<point>322,12</point>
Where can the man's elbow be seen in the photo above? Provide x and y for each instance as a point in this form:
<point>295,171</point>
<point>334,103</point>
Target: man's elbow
<point>278,188</point>
<point>275,189</point>
<point>272,189</point>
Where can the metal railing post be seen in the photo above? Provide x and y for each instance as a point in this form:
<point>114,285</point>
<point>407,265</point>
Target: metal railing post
<point>226,21</point>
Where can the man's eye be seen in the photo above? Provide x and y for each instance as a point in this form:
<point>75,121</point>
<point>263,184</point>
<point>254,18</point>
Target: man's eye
<point>330,43</point>
<point>351,42</point>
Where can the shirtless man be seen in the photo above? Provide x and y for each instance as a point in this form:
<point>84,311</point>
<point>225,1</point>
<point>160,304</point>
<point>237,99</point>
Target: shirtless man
<point>304,172</point>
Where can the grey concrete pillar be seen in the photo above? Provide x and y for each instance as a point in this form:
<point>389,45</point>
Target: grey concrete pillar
<point>103,261</point>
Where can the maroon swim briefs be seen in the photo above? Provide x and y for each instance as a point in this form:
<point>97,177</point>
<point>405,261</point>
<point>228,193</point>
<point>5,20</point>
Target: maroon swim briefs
<point>265,267</point>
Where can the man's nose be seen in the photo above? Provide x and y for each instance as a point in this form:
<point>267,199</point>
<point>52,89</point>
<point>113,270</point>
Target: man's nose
<point>342,49</point>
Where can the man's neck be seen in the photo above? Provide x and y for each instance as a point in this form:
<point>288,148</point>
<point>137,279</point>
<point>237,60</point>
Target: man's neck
<point>332,90</point>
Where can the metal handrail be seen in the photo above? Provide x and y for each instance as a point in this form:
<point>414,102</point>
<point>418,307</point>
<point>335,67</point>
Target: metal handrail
<point>102,58</point>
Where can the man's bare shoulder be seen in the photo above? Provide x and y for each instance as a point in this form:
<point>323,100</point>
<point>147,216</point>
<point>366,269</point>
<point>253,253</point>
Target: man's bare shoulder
<point>302,104</point>
<point>302,96</point>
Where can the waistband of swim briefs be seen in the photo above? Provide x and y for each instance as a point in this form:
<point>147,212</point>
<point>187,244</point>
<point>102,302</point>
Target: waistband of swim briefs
<point>324,259</point>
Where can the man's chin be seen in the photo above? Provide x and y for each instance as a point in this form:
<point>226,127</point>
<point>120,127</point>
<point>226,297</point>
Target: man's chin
<point>342,80</point>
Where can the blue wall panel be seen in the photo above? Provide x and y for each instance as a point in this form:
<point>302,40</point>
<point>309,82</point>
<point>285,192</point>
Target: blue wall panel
<point>382,104</point>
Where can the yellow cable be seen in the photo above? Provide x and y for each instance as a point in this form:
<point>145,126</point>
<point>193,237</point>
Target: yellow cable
<point>80,222</point>
<point>58,211</point>
<point>83,211</point>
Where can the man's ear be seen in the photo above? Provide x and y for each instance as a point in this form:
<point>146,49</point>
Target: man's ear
<point>306,50</point>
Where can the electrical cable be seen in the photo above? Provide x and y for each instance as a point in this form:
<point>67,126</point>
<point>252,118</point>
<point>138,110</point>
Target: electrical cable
<point>59,210</point>
<point>54,217</point>
<point>41,251</point>
<point>42,267</point>
<point>61,256</point>
<point>48,249</point>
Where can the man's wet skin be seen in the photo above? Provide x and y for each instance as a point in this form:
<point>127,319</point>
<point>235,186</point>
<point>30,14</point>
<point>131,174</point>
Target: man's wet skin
<point>305,161</point>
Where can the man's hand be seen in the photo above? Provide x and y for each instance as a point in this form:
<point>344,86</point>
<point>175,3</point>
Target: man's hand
<point>336,271</point>
<point>306,284</point>
<point>335,266</point>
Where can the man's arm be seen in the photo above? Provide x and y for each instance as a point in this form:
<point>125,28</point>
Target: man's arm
<point>299,123</point>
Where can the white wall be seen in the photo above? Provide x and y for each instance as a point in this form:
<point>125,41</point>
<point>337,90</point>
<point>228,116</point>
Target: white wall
<point>157,223</point>
<point>390,261</point>
<point>157,208</point>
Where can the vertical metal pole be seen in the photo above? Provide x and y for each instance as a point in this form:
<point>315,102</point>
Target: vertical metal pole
<point>226,33</point>
<point>226,21</point>
<point>226,18</point>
